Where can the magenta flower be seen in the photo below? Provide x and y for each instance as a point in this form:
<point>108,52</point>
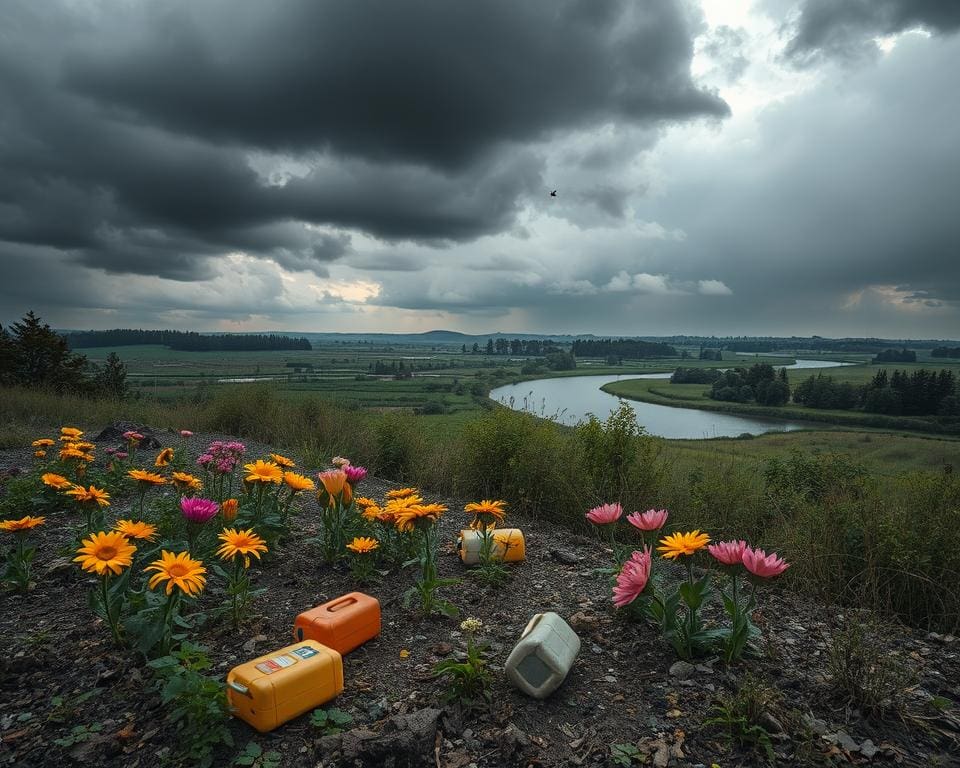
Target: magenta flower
<point>632,579</point>
<point>354,474</point>
<point>120,455</point>
<point>186,433</point>
<point>198,510</point>
<point>728,552</point>
<point>204,459</point>
<point>759,563</point>
<point>111,451</point>
<point>605,514</point>
<point>651,520</point>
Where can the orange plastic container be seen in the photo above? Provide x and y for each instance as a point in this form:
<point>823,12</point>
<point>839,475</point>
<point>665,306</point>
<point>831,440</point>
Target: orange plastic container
<point>270,690</point>
<point>342,624</point>
<point>508,545</point>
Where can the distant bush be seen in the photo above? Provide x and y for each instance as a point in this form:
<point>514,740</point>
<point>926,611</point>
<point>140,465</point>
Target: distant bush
<point>695,376</point>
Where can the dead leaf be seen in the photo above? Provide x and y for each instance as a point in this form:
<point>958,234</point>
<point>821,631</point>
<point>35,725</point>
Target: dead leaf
<point>404,653</point>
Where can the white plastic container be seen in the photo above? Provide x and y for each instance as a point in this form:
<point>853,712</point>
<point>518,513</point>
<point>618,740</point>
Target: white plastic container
<point>539,663</point>
<point>508,545</point>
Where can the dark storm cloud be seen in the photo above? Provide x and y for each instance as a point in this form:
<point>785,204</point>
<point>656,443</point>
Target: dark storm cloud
<point>846,29</point>
<point>127,129</point>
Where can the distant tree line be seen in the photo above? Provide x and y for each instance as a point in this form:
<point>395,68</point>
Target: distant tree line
<point>695,376</point>
<point>34,355</point>
<point>945,352</point>
<point>517,347</point>
<point>760,383</point>
<point>629,349</point>
<point>711,354</point>
<point>186,341</point>
<point>893,356</point>
<point>903,393</point>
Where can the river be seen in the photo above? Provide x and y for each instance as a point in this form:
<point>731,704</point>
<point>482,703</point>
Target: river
<point>568,400</point>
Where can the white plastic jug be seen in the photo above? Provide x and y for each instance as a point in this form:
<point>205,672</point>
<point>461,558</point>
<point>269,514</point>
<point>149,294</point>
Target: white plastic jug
<point>539,663</point>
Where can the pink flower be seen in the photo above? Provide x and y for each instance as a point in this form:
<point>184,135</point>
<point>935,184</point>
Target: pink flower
<point>651,520</point>
<point>198,510</point>
<point>605,514</point>
<point>225,465</point>
<point>339,461</point>
<point>759,563</point>
<point>186,433</point>
<point>111,451</point>
<point>728,552</point>
<point>354,474</point>
<point>632,579</point>
<point>132,437</point>
<point>204,459</point>
<point>120,455</point>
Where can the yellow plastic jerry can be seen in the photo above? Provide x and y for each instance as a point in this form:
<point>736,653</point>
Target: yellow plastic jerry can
<point>508,545</point>
<point>272,689</point>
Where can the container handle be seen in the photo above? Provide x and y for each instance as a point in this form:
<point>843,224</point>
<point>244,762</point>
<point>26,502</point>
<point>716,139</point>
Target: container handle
<point>341,603</point>
<point>531,624</point>
<point>241,689</point>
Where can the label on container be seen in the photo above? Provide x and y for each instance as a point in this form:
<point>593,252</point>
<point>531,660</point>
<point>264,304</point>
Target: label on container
<point>275,664</point>
<point>304,653</point>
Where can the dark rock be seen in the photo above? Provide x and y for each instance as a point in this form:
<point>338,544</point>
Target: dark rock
<point>682,670</point>
<point>514,744</point>
<point>403,742</point>
<point>114,434</point>
<point>562,556</point>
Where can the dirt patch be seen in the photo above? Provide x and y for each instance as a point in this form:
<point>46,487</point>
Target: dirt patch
<point>54,653</point>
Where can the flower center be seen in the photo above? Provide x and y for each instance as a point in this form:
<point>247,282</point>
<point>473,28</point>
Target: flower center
<point>107,553</point>
<point>177,570</point>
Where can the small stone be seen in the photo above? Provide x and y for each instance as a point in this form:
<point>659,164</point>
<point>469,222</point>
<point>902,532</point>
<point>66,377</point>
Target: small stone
<point>596,649</point>
<point>843,740</point>
<point>562,556</point>
<point>816,725</point>
<point>682,670</point>
<point>868,749</point>
<point>771,723</point>
<point>609,679</point>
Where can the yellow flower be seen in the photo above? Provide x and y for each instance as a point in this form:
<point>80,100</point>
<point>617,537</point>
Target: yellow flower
<point>84,446</point>
<point>56,481</point>
<point>407,518</point>
<point>71,452</point>
<point>136,530</point>
<point>23,524</point>
<point>146,478</point>
<point>89,495</point>
<point>71,433</point>
<point>229,510</point>
<point>184,481</point>
<point>363,545</point>
<point>39,454</point>
<point>283,461</point>
<point>677,544</point>
<point>243,543</point>
<point>263,472</point>
<point>363,502</point>
<point>297,482</point>
<point>486,513</point>
<point>178,570</point>
<point>43,442</point>
<point>401,493</point>
<point>164,457</point>
<point>105,553</point>
<point>371,512</point>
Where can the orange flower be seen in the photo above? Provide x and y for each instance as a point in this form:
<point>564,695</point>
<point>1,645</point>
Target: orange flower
<point>283,461</point>
<point>486,513</point>
<point>89,495</point>
<point>401,493</point>
<point>229,510</point>
<point>184,481</point>
<point>677,544</point>
<point>146,478</point>
<point>43,442</point>
<point>105,553</point>
<point>371,512</point>
<point>56,481</point>
<point>71,433</point>
<point>164,457</point>
<point>406,519</point>
<point>297,482</point>
<point>39,454</point>
<point>333,481</point>
<point>23,524</point>
<point>263,472</point>
<point>363,545</point>
<point>240,543</point>
<point>178,570</point>
<point>136,530</point>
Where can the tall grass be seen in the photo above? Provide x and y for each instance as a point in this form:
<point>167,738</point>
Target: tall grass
<point>887,542</point>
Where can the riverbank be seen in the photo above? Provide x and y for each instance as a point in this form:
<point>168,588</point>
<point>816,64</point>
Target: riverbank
<point>661,392</point>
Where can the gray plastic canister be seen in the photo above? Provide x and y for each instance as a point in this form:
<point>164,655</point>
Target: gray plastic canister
<point>539,663</point>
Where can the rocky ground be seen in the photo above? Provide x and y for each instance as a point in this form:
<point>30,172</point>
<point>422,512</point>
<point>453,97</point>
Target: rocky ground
<point>58,669</point>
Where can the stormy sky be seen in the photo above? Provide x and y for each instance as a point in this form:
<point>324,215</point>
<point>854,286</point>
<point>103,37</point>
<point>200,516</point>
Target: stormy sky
<point>721,167</point>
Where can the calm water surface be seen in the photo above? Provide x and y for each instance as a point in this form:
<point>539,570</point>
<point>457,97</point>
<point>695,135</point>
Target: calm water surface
<point>569,400</point>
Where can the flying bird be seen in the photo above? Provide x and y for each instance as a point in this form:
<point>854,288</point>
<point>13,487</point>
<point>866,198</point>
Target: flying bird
<point>553,194</point>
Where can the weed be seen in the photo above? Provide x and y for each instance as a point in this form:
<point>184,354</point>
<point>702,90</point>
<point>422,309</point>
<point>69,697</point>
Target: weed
<point>740,716</point>
<point>254,756</point>
<point>79,734</point>
<point>330,721</point>
<point>864,674</point>
<point>627,755</point>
